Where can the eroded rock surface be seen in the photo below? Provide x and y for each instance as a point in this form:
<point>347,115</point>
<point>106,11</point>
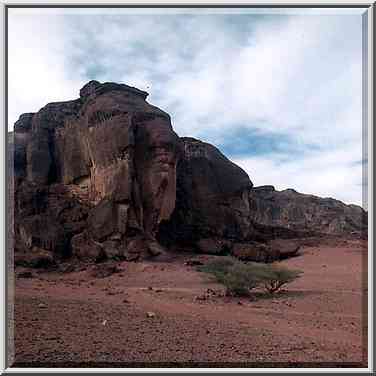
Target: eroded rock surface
<point>212,199</point>
<point>105,176</point>
<point>302,212</point>
<point>113,156</point>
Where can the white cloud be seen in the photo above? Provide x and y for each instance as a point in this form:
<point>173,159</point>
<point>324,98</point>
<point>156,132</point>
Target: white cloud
<point>38,53</point>
<point>289,74</point>
<point>330,174</point>
<point>299,76</point>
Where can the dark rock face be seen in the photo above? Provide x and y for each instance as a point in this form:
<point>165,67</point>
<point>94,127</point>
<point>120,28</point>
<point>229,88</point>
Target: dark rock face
<point>215,209</point>
<point>106,177</point>
<point>47,217</point>
<point>212,198</point>
<point>301,212</point>
<point>113,157</point>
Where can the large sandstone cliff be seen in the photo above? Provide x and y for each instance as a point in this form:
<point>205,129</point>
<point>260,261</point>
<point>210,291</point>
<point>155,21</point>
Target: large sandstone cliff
<point>105,176</point>
<point>95,176</point>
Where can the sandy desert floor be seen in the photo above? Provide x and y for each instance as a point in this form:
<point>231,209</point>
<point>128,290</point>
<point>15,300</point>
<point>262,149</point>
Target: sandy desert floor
<point>151,314</point>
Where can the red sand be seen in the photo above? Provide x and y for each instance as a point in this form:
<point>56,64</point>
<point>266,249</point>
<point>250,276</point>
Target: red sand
<point>77,320</point>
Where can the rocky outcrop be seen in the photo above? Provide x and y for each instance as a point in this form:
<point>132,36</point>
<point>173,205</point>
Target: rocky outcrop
<point>301,212</point>
<point>112,156</point>
<point>215,210</point>
<point>212,199</point>
<point>105,176</point>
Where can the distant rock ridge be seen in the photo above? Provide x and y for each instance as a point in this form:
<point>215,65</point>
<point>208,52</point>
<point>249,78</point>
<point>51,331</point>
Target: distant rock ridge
<point>304,212</point>
<point>105,176</point>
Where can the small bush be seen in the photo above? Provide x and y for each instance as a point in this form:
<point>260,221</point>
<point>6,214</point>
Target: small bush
<point>240,278</point>
<point>280,276</point>
<point>218,266</point>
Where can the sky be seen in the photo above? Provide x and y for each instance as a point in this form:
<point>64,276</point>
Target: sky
<point>279,92</point>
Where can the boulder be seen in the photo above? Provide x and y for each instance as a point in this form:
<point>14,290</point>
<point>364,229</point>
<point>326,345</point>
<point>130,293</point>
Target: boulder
<point>155,249</point>
<point>35,258</point>
<point>253,251</point>
<point>104,270</point>
<point>137,248</point>
<point>141,247</point>
<point>213,246</point>
<point>113,249</point>
<point>285,248</point>
<point>85,248</point>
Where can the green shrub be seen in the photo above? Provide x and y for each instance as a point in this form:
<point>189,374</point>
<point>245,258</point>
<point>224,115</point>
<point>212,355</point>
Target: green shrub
<point>218,267</point>
<point>280,276</point>
<point>240,278</point>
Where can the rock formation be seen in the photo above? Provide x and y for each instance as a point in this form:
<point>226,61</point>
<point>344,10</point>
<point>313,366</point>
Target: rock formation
<point>212,205</point>
<point>105,176</point>
<point>95,176</point>
<point>302,212</point>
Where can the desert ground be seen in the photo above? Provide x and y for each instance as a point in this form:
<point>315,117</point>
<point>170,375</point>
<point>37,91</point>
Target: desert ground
<point>166,313</point>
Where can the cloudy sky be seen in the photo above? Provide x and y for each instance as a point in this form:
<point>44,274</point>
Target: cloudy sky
<point>278,92</point>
